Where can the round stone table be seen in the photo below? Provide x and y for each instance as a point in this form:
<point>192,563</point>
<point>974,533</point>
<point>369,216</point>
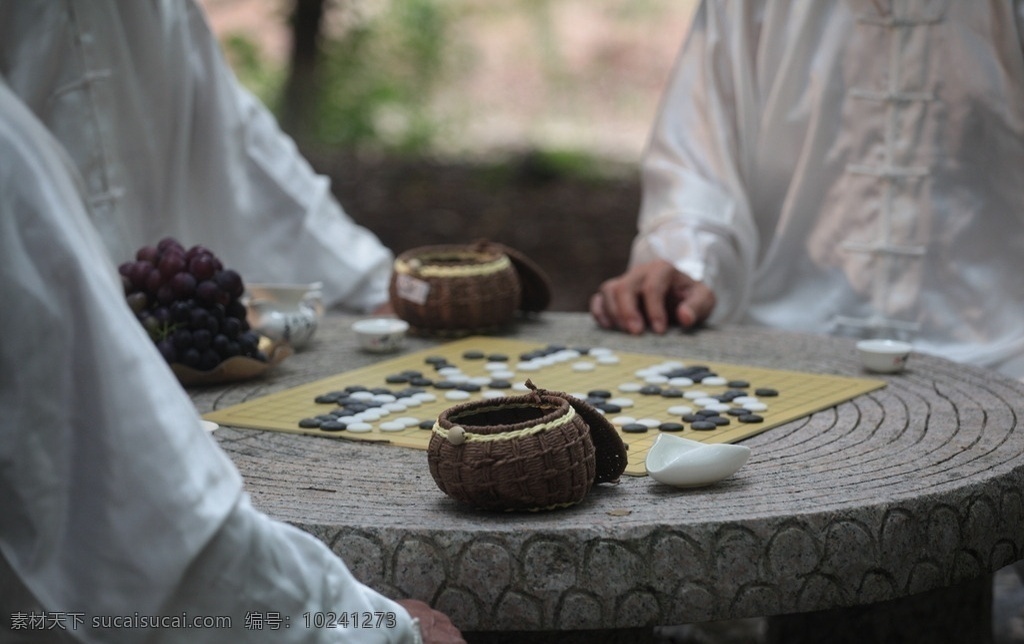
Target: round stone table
<point>890,511</point>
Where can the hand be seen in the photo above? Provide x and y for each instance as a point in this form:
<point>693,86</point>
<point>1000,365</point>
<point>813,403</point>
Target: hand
<point>651,292</point>
<point>435,626</point>
<point>384,309</point>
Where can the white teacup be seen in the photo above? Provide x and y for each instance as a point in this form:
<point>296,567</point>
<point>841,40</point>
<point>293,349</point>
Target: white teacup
<point>381,335</point>
<point>288,312</point>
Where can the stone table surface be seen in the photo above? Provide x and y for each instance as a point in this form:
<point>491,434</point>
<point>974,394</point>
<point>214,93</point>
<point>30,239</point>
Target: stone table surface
<point>912,487</point>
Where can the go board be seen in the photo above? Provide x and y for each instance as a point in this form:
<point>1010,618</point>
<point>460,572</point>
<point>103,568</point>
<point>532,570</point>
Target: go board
<point>398,399</point>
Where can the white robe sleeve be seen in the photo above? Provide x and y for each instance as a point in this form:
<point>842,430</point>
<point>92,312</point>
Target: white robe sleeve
<point>168,143</point>
<point>113,500</point>
<point>695,211</point>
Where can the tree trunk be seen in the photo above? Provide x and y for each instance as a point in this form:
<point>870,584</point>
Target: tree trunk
<point>299,99</point>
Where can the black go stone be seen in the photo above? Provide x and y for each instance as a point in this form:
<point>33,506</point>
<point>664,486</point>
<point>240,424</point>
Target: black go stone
<point>327,399</point>
<point>426,424</point>
<point>309,423</point>
<point>608,408</point>
<point>707,413</point>
<point>718,420</point>
<point>497,357</point>
<point>599,393</point>
<point>473,355</point>
<point>468,386</point>
<point>691,418</point>
<point>634,428</point>
<point>766,392</point>
<point>435,360</point>
<point>650,390</point>
<point>751,418</point>
<point>332,426</point>
<point>738,411</point>
<point>396,379</point>
<point>500,384</point>
<point>703,425</point>
<point>738,384</point>
<point>671,393</point>
<point>381,391</point>
<point>420,381</point>
<point>355,389</point>
<point>671,427</point>
<point>446,384</point>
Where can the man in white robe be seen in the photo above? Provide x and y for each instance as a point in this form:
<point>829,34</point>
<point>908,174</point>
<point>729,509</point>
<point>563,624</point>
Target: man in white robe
<point>852,167</point>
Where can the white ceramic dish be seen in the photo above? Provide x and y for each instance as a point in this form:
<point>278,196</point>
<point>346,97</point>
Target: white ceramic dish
<point>381,335</point>
<point>883,356</point>
<point>682,462</point>
<point>209,425</point>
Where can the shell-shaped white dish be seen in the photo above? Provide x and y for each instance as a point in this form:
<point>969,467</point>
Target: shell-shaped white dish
<point>682,462</point>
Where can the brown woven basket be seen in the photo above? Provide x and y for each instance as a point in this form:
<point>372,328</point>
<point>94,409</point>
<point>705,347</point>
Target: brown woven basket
<point>530,452</point>
<point>455,290</point>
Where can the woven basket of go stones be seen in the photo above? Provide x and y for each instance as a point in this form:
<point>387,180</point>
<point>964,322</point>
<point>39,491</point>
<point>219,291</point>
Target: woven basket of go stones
<point>539,451</point>
<point>456,290</point>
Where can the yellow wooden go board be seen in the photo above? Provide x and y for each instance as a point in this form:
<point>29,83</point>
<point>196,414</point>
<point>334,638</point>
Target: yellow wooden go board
<point>798,394</point>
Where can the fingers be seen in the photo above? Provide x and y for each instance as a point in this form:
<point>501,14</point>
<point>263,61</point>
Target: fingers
<point>614,306</point>
<point>696,303</point>
<point>435,627</point>
<point>648,295</point>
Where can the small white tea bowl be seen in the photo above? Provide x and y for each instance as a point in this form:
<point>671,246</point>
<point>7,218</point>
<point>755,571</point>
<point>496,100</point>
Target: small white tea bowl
<point>884,356</point>
<point>381,335</point>
<point>682,462</point>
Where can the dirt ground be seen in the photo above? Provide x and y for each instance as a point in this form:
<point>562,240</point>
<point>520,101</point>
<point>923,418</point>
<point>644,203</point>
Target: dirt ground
<point>578,230</point>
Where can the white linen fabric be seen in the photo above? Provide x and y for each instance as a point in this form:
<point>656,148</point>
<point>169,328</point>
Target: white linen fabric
<point>852,167</point>
<point>114,502</point>
<point>168,143</point>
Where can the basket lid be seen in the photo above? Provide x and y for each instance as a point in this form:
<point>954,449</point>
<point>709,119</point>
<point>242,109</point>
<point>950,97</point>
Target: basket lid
<point>534,282</point>
<point>609,450</point>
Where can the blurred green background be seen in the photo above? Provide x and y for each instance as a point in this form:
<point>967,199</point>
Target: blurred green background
<point>452,120</point>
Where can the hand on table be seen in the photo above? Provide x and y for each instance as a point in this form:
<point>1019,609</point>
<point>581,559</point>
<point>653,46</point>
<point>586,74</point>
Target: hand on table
<point>646,295</point>
<point>435,626</point>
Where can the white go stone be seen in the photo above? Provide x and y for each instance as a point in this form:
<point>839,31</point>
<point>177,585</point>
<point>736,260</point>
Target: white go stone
<point>608,359</point>
<point>359,428</point>
<point>491,393</point>
<point>621,402</point>
<point>713,381</point>
<point>391,426</point>
<point>649,423</point>
<point>408,421</point>
<point>425,396</point>
<point>630,387</point>
<point>694,394</point>
<point>623,420</point>
<point>583,366</point>
<point>362,395</point>
<point>680,410</point>
<point>680,382</point>
<point>457,394</point>
<point>755,406</point>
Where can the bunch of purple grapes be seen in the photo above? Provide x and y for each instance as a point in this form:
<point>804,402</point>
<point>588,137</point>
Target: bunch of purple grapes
<point>189,304</point>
